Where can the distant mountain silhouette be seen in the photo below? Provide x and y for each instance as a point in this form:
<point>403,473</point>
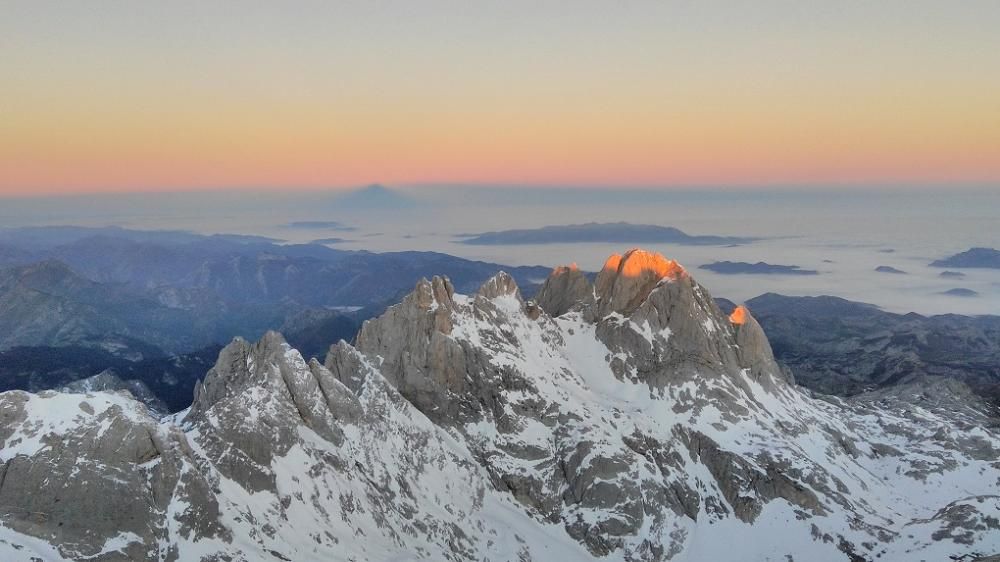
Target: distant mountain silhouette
<point>889,269</point>
<point>319,225</point>
<point>759,268</point>
<point>988,258</point>
<point>960,292</point>
<point>612,232</point>
<point>374,197</point>
<point>181,291</point>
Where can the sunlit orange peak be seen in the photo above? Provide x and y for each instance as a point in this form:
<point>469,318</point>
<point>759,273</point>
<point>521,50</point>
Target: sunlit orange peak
<point>559,270</point>
<point>636,261</point>
<point>612,263</point>
<point>739,315</point>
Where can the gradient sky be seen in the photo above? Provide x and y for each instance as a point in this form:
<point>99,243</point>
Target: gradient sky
<point>141,96</point>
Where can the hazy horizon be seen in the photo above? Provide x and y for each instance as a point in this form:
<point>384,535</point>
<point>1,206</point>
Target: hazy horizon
<point>844,235</point>
<point>531,188</point>
<point>104,96</point>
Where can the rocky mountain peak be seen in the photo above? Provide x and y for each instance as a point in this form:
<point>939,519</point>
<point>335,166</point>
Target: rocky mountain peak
<point>637,261</point>
<point>566,288</point>
<point>431,294</point>
<point>662,325</point>
<point>738,315</point>
<point>270,367</point>
<point>501,284</point>
<point>238,368</point>
<point>626,280</point>
<point>752,345</point>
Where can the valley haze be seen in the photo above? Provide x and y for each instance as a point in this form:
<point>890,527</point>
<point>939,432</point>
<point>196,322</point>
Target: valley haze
<point>809,229</point>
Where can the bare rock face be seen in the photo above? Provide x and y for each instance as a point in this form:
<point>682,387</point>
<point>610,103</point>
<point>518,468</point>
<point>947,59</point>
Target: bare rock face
<point>567,288</point>
<point>86,470</point>
<point>448,378</point>
<point>414,351</point>
<point>677,331</point>
<point>501,284</point>
<point>347,365</point>
<point>752,348</point>
<point>229,409</point>
<point>625,281</point>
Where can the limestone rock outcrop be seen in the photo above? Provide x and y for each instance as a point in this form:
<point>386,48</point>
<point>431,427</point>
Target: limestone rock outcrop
<point>626,280</point>
<point>566,288</point>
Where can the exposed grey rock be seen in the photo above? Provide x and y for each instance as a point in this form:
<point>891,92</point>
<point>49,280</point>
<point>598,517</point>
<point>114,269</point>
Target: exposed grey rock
<point>111,474</point>
<point>677,330</point>
<point>501,284</point>
<point>752,348</point>
<point>421,360</point>
<point>566,288</point>
<point>300,394</point>
<point>748,486</point>
<point>625,281</point>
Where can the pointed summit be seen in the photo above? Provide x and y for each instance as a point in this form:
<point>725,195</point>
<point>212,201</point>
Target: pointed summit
<point>637,262</point>
<point>567,288</point>
<point>753,348</point>
<point>428,295</point>
<point>739,315</point>
<point>499,285</point>
<point>374,197</point>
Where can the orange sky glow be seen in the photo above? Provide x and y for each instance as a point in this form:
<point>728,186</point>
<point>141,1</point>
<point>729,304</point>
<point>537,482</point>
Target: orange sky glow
<point>111,97</point>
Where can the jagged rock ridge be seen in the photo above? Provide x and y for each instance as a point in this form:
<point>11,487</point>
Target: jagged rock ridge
<point>625,420</point>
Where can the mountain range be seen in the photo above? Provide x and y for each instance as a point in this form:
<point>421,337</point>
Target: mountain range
<point>181,291</point>
<point>629,418</point>
<point>58,326</point>
<point>836,346</point>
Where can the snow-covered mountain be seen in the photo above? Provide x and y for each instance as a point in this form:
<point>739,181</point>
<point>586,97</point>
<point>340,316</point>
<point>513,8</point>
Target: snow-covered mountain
<point>628,419</point>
